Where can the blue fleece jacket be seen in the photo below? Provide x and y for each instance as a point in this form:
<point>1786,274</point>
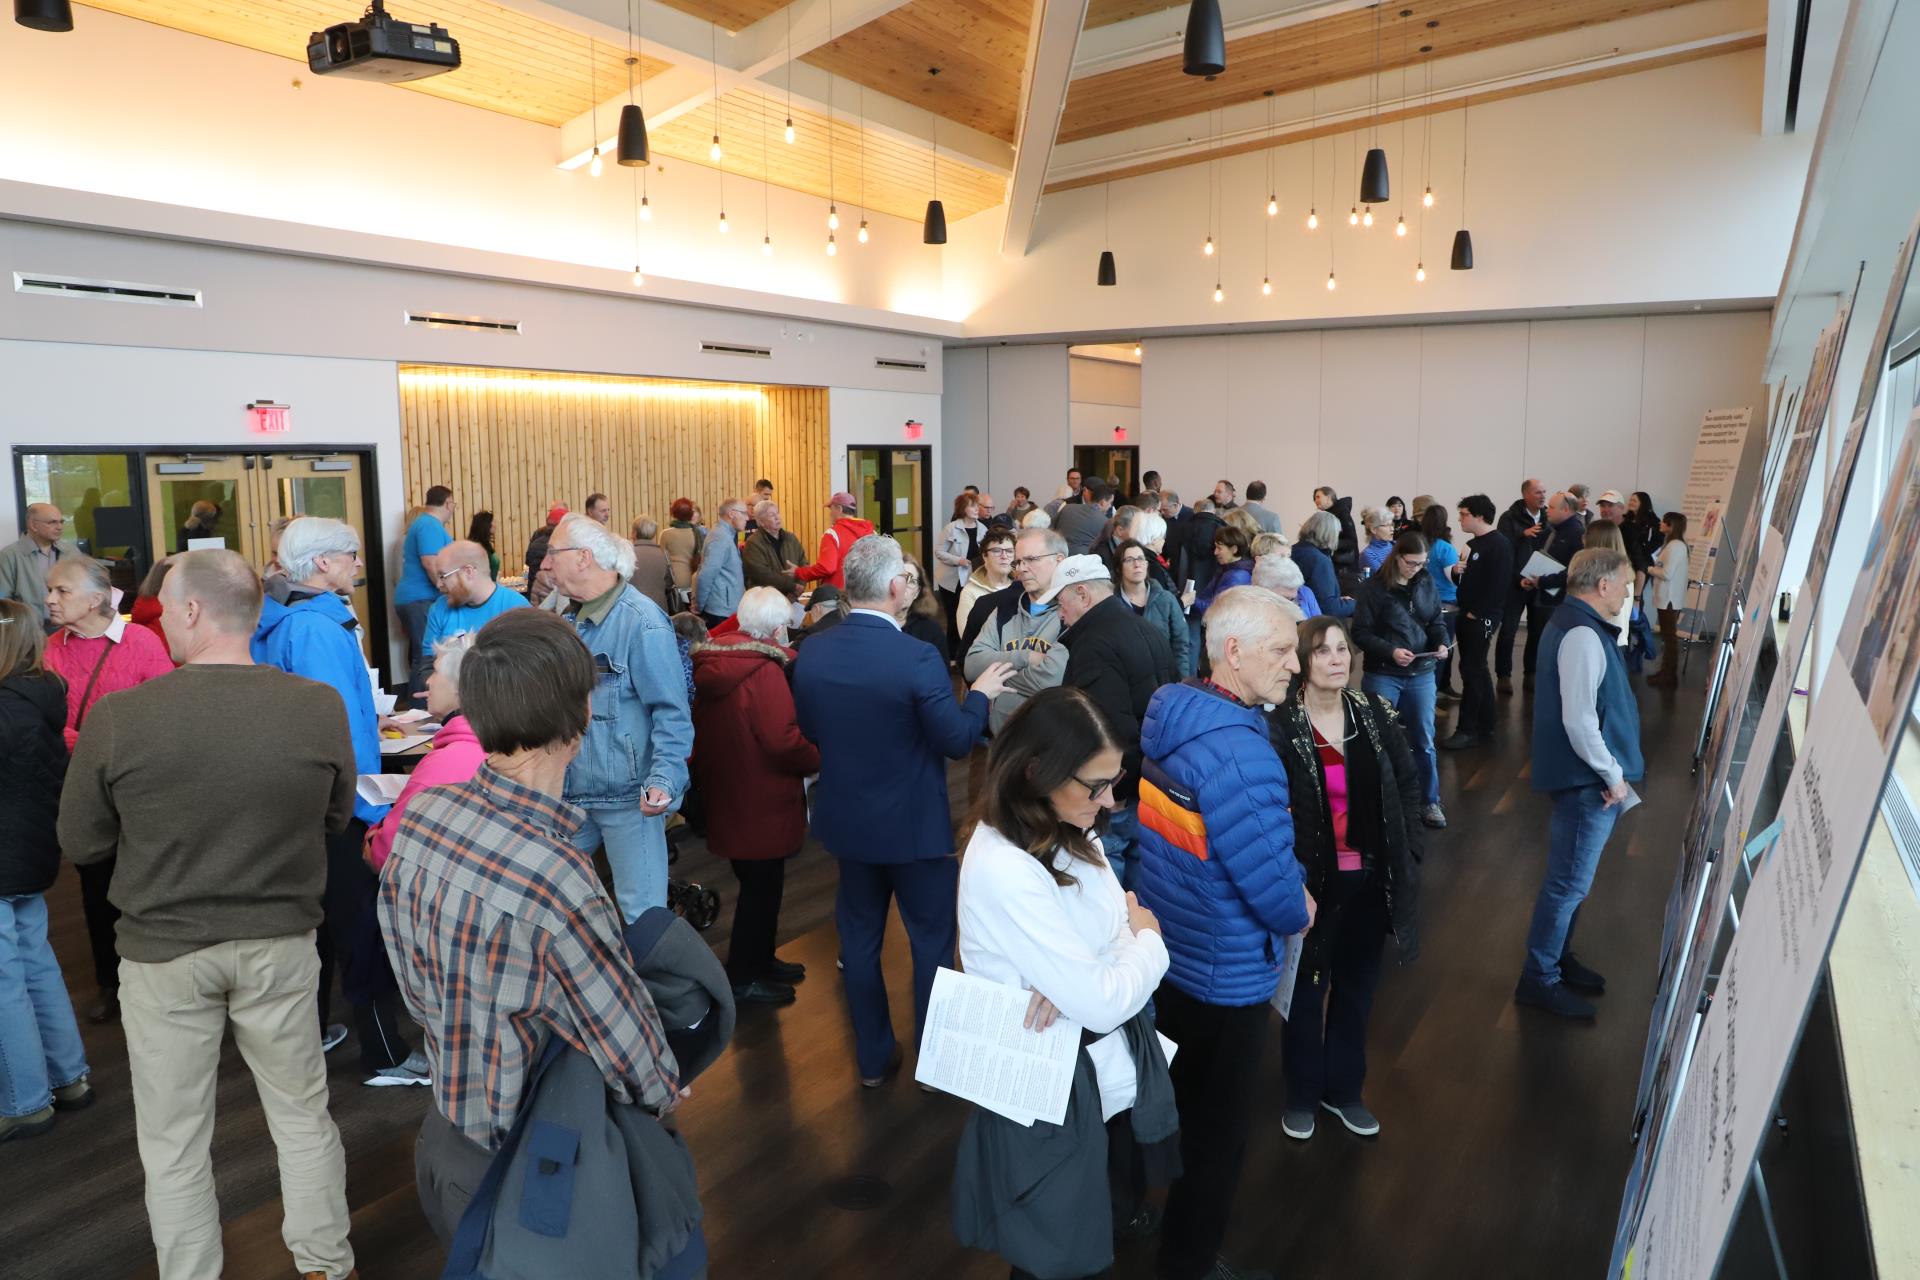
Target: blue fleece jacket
<point>319,638</point>
<point>1216,845</point>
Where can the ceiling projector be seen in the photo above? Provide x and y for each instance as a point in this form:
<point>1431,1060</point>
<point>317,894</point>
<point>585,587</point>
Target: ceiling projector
<point>382,48</point>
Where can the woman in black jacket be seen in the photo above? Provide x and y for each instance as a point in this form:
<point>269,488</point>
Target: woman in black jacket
<point>45,1063</point>
<point>1397,624</point>
<point>1354,799</point>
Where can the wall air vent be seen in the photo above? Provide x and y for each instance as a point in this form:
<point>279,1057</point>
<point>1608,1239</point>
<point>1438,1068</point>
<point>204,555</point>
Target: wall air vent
<point>468,324</point>
<point>103,290</point>
<point>736,349</point>
<point>888,362</point>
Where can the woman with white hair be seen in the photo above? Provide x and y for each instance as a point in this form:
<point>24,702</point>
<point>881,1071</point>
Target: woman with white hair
<point>1379,524</point>
<point>749,762</point>
<point>97,653</point>
<point>1036,519</point>
<point>456,754</point>
<point>315,635</point>
<point>1277,572</point>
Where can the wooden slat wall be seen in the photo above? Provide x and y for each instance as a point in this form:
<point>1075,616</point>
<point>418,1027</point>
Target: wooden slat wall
<point>516,441</point>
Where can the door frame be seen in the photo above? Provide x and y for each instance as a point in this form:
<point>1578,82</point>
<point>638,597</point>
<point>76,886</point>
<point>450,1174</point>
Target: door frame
<point>883,491</point>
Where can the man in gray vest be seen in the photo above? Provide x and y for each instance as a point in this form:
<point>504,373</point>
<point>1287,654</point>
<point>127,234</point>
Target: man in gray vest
<point>1586,749</point>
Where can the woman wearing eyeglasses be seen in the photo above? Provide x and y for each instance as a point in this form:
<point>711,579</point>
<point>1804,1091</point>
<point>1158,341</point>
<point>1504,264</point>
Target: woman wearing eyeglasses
<point>1039,909</point>
<point>923,618</point>
<point>1159,606</point>
<point>1355,799</point>
<point>994,574</point>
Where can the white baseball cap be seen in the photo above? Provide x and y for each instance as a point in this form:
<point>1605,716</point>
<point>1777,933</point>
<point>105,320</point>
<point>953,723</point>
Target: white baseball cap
<point>1075,569</point>
<point>1612,495</point>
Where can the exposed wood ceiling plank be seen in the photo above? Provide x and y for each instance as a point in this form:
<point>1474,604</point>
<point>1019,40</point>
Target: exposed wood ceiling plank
<point>979,47</point>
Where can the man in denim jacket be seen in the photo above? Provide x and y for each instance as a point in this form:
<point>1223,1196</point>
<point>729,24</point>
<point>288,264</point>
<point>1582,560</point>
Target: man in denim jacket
<point>632,767</point>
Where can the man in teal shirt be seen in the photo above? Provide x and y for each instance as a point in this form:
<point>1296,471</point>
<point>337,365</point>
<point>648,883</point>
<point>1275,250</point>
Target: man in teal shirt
<point>413,599</point>
<point>472,596</point>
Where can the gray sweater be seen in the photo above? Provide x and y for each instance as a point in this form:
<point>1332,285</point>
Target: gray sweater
<point>215,786</point>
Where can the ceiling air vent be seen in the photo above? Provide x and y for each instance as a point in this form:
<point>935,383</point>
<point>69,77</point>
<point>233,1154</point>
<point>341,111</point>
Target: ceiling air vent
<point>103,290</point>
<point>888,362</point>
<point>736,349</point>
<point>469,324</point>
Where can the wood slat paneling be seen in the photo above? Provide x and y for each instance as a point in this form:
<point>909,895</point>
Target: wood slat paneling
<point>732,15</point>
<point>1104,13</point>
<point>980,47</point>
<point>517,441</point>
<point>1330,50</point>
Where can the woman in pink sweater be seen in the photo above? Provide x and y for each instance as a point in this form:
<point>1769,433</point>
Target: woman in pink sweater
<point>454,757</point>
<point>97,653</point>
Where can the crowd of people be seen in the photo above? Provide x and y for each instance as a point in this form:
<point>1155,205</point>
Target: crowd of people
<point>1182,773</point>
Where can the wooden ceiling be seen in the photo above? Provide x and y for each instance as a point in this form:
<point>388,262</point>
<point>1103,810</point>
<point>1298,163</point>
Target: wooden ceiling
<point>509,62</point>
<point>1330,50</point>
<point>1104,13</point>
<point>894,177</point>
<point>978,46</point>
<point>732,15</point>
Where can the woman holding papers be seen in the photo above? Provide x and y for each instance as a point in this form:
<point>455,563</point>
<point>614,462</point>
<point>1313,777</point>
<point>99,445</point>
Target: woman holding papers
<point>455,755</point>
<point>1397,624</point>
<point>1355,803</point>
<point>1040,910</point>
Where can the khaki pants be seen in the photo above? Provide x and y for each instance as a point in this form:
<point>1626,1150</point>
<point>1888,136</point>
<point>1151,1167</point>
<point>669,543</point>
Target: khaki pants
<point>174,1015</point>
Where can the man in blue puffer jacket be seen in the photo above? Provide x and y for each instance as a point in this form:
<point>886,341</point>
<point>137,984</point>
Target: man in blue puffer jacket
<point>1217,866</point>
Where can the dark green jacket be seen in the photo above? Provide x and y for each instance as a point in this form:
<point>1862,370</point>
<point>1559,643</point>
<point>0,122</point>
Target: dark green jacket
<point>765,561</point>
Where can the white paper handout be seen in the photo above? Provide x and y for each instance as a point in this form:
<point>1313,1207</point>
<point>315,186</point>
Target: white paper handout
<point>976,1047</point>
<point>1541,565</point>
<point>394,746</point>
<point>1282,1001</point>
<point>381,788</point>
<point>408,717</point>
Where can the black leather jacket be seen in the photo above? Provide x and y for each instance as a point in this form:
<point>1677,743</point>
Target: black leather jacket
<point>1386,618</point>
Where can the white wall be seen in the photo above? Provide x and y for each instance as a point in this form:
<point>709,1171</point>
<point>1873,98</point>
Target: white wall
<point>1027,417</point>
<point>862,417</point>
<point>1444,409</point>
<point>1106,394</point>
<point>964,412</point>
<point>1646,188</point>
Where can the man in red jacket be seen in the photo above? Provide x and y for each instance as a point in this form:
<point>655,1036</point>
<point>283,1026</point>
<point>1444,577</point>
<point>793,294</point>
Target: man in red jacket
<point>839,538</point>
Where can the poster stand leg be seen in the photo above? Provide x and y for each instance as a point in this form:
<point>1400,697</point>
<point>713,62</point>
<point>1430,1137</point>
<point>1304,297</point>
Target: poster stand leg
<point>1722,660</point>
<point>1766,1218</point>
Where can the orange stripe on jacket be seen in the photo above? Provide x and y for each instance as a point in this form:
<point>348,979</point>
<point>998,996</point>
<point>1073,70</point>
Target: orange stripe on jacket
<point>1165,817</point>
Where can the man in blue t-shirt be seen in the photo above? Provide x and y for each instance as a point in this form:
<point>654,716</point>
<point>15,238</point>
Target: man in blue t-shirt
<point>426,538</point>
<point>472,596</point>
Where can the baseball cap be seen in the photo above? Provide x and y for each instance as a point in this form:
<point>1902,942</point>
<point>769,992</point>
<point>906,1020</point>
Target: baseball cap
<point>842,499</point>
<point>556,513</point>
<point>1076,569</point>
<point>1612,495</point>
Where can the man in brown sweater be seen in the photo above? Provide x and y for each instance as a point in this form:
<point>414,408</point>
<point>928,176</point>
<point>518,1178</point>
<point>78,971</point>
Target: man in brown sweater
<point>221,867</point>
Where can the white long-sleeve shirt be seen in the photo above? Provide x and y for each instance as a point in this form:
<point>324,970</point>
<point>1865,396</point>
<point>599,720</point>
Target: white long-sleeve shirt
<point>1583,664</point>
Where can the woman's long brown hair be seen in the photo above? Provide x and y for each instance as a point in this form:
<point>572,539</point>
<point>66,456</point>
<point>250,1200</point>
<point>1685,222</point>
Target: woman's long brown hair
<point>1042,747</point>
<point>22,643</point>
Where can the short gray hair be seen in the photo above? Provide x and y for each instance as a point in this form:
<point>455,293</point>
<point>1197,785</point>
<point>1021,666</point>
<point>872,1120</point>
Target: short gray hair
<point>609,549</point>
<point>645,528</point>
<point>1591,565</point>
<point>1375,515</point>
<point>1243,614</point>
<point>1321,529</point>
<point>447,655</point>
<point>762,611</point>
<point>1124,519</point>
<point>1149,527</point>
<point>1055,544</point>
<point>309,538</point>
<point>870,566</point>
<point>93,577</point>
<point>1277,570</point>
<point>759,507</point>
<point>1036,519</point>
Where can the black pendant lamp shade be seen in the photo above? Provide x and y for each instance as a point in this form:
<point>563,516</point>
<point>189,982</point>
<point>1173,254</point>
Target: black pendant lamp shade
<point>1206,43</point>
<point>44,15</point>
<point>934,229</point>
<point>633,136</point>
<point>1462,250</point>
<point>1108,275</point>
<point>1373,178</point>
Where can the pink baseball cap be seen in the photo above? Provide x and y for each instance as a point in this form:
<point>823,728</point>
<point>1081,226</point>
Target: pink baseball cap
<point>842,499</point>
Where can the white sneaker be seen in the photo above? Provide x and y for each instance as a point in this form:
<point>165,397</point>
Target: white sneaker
<point>332,1036</point>
<point>412,1071</point>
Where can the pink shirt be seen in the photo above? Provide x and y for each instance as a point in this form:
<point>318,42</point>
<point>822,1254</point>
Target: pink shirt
<point>1334,766</point>
<point>455,757</point>
<point>134,655</point>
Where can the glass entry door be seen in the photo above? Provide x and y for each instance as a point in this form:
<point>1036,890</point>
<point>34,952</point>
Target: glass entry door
<point>894,489</point>
<point>1119,465</point>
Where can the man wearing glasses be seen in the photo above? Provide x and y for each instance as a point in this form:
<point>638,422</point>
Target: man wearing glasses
<point>24,565</point>
<point>468,594</point>
<point>1024,627</point>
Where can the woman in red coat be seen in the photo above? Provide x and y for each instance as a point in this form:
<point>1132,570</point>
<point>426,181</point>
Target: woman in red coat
<point>750,761</point>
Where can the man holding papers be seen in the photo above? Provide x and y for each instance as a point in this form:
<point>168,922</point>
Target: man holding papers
<point>1217,865</point>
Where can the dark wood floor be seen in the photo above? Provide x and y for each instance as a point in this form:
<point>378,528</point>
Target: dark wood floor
<point>1502,1153</point>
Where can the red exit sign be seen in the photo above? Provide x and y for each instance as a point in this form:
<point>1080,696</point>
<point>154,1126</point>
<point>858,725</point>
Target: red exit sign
<point>268,418</point>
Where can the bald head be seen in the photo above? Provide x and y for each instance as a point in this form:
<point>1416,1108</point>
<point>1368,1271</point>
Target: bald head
<point>1533,493</point>
<point>464,572</point>
<point>45,523</point>
<point>210,601</point>
<point>463,554</point>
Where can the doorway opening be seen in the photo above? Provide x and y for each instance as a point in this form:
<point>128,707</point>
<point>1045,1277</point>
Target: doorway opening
<point>1117,464</point>
<point>894,487</point>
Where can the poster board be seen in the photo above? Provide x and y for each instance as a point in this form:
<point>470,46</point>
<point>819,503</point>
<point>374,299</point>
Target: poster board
<point>1710,480</point>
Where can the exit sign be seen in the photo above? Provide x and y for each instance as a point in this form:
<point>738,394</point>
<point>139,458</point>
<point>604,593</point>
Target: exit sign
<point>268,418</point>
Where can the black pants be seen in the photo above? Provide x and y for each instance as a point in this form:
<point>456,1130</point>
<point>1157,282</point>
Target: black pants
<point>1476,682</point>
<point>102,915</point>
<point>756,918</point>
<point>1443,671</point>
<point>1215,1083</point>
<point>950,604</point>
<point>1324,1040</point>
<point>349,939</point>
<point>1516,612</point>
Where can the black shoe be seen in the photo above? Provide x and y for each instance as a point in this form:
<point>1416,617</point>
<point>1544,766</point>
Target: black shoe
<point>889,1072</point>
<point>761,991</point>
<point>108,1010</point>
<point>1459,742</point>
<point>1506,684</point>
<point>1555,999</point>
<point>1579,977</point>
<point>785,971</point>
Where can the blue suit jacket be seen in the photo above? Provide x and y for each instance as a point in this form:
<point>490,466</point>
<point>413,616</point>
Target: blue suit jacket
<point>879,704</point>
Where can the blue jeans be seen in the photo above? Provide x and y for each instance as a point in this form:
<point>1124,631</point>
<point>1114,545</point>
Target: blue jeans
<point>1122,832</point>
<point>40,1048</point>
<point>1412,697</point>
<point>636,850</point>
<point>413,621</point>
<point>1582,821</point>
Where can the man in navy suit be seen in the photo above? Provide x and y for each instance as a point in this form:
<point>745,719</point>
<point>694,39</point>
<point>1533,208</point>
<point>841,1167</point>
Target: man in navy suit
<point>879,704</point>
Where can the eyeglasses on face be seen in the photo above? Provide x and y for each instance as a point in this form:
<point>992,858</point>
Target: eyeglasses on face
<point>454,572</point>
<point>1099,786</point>
<point>1023,561</point>
<point>554,551</point>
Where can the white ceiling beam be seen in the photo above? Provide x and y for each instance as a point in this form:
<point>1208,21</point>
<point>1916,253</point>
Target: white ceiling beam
<point>1043,96</point>
<point>1157,35</point>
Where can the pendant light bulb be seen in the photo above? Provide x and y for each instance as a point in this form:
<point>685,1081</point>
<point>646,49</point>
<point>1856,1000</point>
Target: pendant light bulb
<point>1400,227</point>
<point>1366,219</point>
<point>1313,219</point>
<point>1427,199</point>
<point>789,130</point>
<point>1207,249</point>
<point>596,168</point>
<point>646,210</point>
<point>723,222</point>
<point>1136,351</point>
<point>863,231</point>
<point>1353,216</point>
<point>766,246</point>
<point>1266,287</point>
<point>833,249</point>
<point>1330,284</point>
<point>713,152</point>
<point>1420,273</point>
<point>1219,294</point>
<point>833,217</point>
<point>1273,206</point>
<point>639,281</point>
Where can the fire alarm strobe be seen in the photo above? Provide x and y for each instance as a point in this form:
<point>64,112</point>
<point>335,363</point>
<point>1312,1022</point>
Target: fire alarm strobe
<point>382,48</point>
